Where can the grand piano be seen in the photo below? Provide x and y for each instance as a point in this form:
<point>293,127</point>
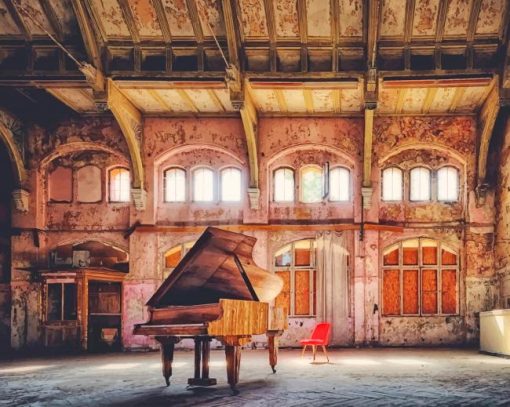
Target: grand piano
<point>216,291</point>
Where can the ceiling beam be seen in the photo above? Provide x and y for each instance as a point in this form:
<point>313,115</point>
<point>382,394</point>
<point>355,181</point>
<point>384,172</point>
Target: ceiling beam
<point>162,21</point>
<point>94,70</point>
<point>370,98</point>
<point>271,30</point>
<point>18,19</point>
<point>130,121</point>
<point>249,118</point>
<point>130,20</point>
<point>486,120</point>
<point>89,38</point>
<point>52,18</point>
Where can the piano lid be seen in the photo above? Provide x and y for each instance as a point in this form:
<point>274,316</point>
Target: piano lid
<point>219,265</point>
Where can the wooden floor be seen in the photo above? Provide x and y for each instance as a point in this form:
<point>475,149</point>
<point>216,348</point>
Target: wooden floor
<point>367,377</point>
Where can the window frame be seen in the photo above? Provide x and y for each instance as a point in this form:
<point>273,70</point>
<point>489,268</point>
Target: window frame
<point>109,186</point>
<point>301,183</point>
<point>283,168</point>
<point>439,268</point>
<point>446,167</point>
<point>292,268</point>
<point>220,185</point>
<point>349,184</point>
<point>186,186</point>
<point>402,192</point>
<point>214,187</point>
<point>101,183</point>
<point>62,284</point>
<point>430,172</point>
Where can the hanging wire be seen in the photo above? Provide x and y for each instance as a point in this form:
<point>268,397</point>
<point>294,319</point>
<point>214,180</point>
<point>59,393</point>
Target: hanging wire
<point>31,17</point>
<point>218,45</point>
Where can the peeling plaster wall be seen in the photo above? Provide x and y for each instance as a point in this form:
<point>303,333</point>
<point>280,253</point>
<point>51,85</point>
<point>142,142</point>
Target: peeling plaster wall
<point>435,142</point>
<point>220,142</point>
<point>502,250</point>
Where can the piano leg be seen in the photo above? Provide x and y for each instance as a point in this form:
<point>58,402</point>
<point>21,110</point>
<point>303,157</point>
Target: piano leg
<point>272,342</point>
<point>233,354</point>
<point>202,356</point>
<point>167,345</point>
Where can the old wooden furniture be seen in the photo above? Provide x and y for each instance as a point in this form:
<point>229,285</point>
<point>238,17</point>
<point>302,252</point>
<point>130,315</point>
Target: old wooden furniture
<point>82,308</point>
<point>216,291</point>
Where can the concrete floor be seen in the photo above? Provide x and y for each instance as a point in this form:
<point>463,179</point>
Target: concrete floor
<point>368,377</point>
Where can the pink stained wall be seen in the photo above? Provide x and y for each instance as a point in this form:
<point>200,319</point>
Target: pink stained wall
<point>220,142</point>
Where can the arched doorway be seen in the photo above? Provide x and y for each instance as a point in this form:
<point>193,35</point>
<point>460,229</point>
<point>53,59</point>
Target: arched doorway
<point>6,188</point>
<point>317,286</point>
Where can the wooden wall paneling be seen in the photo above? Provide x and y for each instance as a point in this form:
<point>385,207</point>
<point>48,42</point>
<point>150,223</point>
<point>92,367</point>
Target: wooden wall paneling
<point>429,291</point>
<point>449,291</point>
<point>391,292</point>
<point>410,292</point>
<point>302,292</point>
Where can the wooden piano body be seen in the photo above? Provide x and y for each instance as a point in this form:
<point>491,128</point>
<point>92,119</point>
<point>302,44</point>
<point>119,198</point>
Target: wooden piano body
<point>216,291</point>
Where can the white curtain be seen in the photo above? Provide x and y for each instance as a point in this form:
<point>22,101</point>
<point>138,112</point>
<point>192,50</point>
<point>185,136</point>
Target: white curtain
<point>333,285</point>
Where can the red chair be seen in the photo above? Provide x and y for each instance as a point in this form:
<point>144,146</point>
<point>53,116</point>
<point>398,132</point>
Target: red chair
<point>320,337</point>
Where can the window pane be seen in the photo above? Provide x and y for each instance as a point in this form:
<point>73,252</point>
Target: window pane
<point>302,292</point>
<point>420,184</point>
<point>203,185</point>
<point>392,184</point>
<point>283,257</point>
<point>447,184</point>
<point>173,257</point>
<point>448,257</point>
<point>283,299</point>
<point>391,292</point>
<point>339,182</point>
<point>429,291</point>
<point>119,185</point>
<point>54,307</point>
<point>175,185</point>
<point>410,300</point>
<point>449,291</point>
<point>410,252</point>
<point>69,302</point>
<point>390,257</point>
<point>231,185</point>
<point>311,184</point>
<point>89,188</point>
<point>429,252</point>
<point>302,253</point>
<point>60,184</point>
<point>284,185</point>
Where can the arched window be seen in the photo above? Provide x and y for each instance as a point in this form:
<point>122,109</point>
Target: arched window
<point>339,185</point>
<point>420,277</point>
<point>283,185</point>
<point>203,185</point>
<point>295,264</point>
<point>392,184</point>
<point>175,185</point>
<point>448,184</point>
<point>231,185</point>
<point>120,185</point>
<point>311,184</point>
<point>89,189</point>
<point>420,184</point>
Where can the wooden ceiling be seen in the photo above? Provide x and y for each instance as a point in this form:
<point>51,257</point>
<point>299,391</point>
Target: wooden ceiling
<point>303,57</point>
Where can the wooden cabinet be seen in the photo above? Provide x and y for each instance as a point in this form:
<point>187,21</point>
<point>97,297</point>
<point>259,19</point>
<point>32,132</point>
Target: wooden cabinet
<point>82,308</point>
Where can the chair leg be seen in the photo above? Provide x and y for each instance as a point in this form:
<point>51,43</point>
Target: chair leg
<point>304,348</point>
<point>314,348</point>
<point>325,352</point>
